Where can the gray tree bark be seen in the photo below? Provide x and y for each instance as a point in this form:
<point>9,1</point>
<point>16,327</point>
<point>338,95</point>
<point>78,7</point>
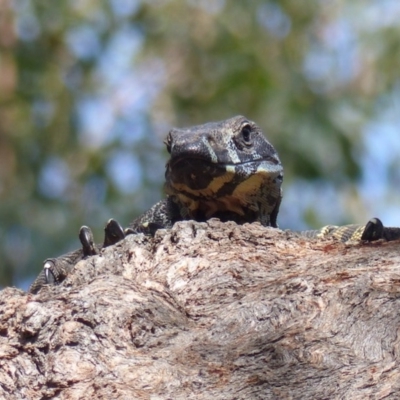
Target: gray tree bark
<point>210,311</point>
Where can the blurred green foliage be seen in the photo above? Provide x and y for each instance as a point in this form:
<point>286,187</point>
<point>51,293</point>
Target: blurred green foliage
<point>89,89</point>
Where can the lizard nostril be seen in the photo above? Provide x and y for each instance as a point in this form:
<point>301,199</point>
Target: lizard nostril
<point>211,140</point>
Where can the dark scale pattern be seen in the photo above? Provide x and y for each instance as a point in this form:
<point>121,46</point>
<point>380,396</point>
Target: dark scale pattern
<point>226,170</point>
<point>55,270</point>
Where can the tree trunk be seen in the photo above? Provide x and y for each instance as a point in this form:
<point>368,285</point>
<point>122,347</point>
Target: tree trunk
<point>210,311</point>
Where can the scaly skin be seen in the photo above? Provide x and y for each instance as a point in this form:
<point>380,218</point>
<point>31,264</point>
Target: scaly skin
<point>226,170</point>
<point>55,270</point>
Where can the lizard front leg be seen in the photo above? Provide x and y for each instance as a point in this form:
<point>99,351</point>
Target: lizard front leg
<point>55,270</point>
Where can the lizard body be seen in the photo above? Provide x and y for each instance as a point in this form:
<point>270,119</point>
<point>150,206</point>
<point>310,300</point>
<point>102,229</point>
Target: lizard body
<point>226,170</point>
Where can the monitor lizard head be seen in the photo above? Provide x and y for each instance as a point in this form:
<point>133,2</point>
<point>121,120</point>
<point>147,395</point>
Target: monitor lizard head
<point>225,169</point>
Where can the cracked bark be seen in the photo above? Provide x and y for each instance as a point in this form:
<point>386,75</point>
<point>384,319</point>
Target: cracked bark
<point>210,311</point>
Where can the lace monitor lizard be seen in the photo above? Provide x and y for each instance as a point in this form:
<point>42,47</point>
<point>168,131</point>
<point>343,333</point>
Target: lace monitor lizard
<point>226,170</point>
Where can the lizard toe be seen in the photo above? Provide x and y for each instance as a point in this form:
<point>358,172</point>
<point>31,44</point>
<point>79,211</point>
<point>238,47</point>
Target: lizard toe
<point>50,272</point>
<point>87,241</point>
<point>373,230</point>
<point>113,233</point>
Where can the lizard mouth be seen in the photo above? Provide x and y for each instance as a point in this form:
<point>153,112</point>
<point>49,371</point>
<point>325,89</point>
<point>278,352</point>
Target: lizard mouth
<point>195,162</point>
<point>197,174</point>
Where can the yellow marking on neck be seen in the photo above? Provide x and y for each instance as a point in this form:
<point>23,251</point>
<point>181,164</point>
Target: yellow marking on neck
<point>250,186</point>
<point>210,207</point>
<point>208,191</point>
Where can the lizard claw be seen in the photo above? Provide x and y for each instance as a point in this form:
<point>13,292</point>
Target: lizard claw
<point>148,228</point>
<point>373,230</point>
<point>87,241</point>
<point>113,233</point>
<point>49,269</point>
<point>55,270</point>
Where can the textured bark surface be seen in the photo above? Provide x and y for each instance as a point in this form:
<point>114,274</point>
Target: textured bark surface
<point>210,311</point>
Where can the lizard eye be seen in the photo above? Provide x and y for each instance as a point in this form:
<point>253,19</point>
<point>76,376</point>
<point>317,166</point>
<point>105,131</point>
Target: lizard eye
<point>246,133</point>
